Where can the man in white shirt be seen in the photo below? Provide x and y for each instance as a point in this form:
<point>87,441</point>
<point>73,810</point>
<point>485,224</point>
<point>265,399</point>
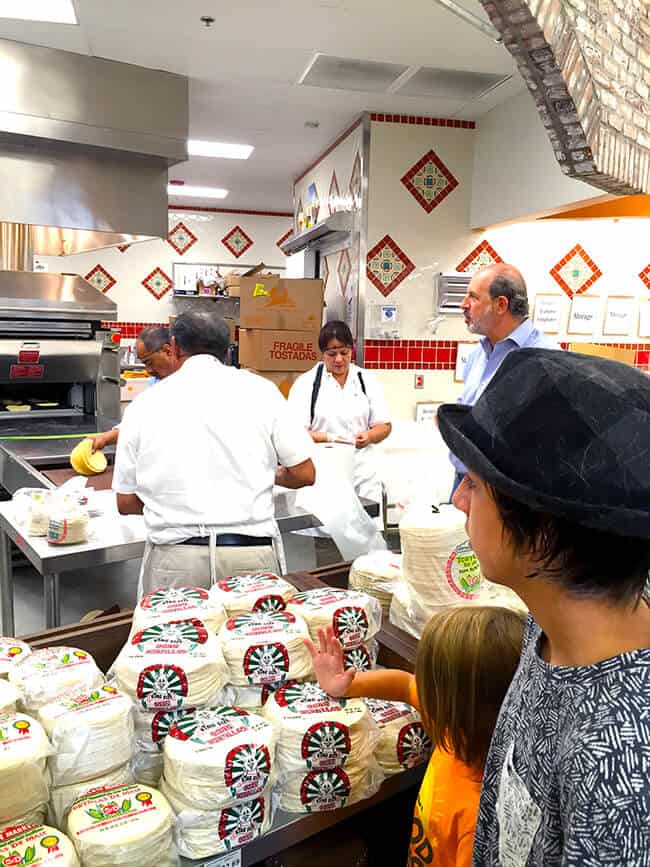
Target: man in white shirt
<point>198,456</point>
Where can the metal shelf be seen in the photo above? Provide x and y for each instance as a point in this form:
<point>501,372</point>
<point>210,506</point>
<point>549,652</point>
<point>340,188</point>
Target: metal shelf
<point>210,297</point>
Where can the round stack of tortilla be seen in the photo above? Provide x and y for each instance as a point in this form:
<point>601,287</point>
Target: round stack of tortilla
<point>205,833</point>
<point>179,603</point>
<point>355,617</point>
<point>325,747</point>
<point>403,742</point>
<point>48,674</point>
<point>171,665</point>
<point>36,844</point>
<point>63,797</point>
<point>215,757</point>
<point>123,827</point>
<point>91,733</point>
<point>265,648</point>
<point>376,575</point>
<point>23,753</point>
<point>262,591</point>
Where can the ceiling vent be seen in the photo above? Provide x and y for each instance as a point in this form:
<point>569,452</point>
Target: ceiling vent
<point>341,73</point>
<point>450,83</point>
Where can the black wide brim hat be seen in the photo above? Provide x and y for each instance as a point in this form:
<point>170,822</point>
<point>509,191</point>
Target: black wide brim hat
<point>566,434</point>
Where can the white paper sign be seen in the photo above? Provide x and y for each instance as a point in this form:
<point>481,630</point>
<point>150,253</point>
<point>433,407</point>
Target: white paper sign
<point>549,313</point>
<point>464,352</point>
<point>620,315</point>
<point>644,319</point>
<point>585,312</point>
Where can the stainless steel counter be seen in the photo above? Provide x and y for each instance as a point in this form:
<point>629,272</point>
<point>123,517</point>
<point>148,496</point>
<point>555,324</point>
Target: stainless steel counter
<point>114,538</point>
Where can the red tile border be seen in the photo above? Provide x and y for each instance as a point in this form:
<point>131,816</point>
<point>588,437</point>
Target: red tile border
<point>284,238</point>
<point>208,210</point>
<point>329,150</point>
<point>645,276</point>
<point>419,120</point>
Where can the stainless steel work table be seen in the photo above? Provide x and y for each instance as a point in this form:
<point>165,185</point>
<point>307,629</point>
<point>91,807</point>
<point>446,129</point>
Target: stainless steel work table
<point>115,538</point>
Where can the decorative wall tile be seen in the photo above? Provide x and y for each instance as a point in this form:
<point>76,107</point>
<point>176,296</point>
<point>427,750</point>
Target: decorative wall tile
<point>645,276</point>
<point>334,195</point>
<point>344,269</point>
<point>284,238</point>
<point>158,283</point>
<point>324,270</point>
<point>237,241</point>
<point>429,181</point>
<point>355,182</point>
<point>181,238</point>
<point>100,278</point>
<point>419,120</point>
<point>575,272</point>
<point>123,247</point>
<point>480,257</point>
<point>388,265</point>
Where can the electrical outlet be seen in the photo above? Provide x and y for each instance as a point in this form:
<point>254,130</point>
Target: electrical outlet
<point>419,380</point>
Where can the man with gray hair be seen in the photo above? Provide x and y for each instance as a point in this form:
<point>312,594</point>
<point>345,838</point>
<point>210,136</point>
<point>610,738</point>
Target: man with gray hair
<point>198,456</point>
<point>496,307</point>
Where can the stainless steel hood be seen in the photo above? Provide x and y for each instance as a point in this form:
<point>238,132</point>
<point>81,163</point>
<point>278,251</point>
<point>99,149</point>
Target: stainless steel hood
<point>28,295</point>
<point>335,230</point>
<point>85,146</point>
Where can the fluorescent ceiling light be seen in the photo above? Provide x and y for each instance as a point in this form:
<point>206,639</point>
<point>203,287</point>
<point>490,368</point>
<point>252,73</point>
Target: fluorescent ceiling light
<point>198,148</point>
<point>196,192</point>
<point>53,11</point>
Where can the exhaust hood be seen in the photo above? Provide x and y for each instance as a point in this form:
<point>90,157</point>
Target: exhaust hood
<point>336,229</point>
<point>85,147</point>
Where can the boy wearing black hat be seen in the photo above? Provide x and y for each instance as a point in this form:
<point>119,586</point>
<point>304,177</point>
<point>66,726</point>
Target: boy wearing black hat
<point>557,498</point>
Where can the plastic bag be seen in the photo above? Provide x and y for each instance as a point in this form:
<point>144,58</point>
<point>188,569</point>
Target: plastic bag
<point>91,733</point>
<point>261,592</point>
<point>333,500</point>
<point>12,653</point>
<point>122,827</point>
<point>63,797</point>
<point>68,522</point>
<point>202,833</point>
<point>24,749</point>
<point>215,757</point>
<point>355,617</point>
<point>32,510</point>
<point>265,648</point>
<point>362,658</point>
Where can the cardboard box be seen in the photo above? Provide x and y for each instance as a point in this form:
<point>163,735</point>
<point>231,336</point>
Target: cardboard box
<point>273,350</point>
<point>284,379</point>
<point>286,305</point>
<point>614,353</point>
<point>232,327</point>
<point>232,282</point>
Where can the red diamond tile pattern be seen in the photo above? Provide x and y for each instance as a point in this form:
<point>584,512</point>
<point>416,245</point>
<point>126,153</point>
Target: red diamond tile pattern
<point>181,238</point>
<point>429,181</point>
<point>344,269</point>
<point>325,271</point>
<point>480,257</point>
<point>645,276</point>
<point>388,265</point>
<point>284,238</point>
<point>123,247</point>
<point>101,279</point>
<point>575,272</point>
<point>355,182</point>
<point>334,195</point>
<point>158,283</point>
<point>237,241</point>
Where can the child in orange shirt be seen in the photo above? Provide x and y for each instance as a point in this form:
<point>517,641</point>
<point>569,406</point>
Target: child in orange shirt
<point>465,661</point>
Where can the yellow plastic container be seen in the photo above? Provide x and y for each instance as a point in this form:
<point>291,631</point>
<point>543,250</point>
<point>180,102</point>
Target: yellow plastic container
<point>85,462</point>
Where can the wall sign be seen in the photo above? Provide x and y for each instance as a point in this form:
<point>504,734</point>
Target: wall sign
<point>549,313</point>
<point>585,313</point>
<point>464,352</point>
<point>644,319</point>
<point>620,315</point>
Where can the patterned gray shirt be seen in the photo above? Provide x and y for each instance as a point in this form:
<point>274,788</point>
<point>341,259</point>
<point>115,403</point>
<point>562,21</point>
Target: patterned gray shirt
<point>567,780</point>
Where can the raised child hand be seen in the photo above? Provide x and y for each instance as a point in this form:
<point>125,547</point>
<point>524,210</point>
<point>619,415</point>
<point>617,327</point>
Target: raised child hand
<point>328,663</point>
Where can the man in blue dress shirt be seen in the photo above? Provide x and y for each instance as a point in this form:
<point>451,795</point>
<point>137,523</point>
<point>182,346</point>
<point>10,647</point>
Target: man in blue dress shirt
<point>496,307</point>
